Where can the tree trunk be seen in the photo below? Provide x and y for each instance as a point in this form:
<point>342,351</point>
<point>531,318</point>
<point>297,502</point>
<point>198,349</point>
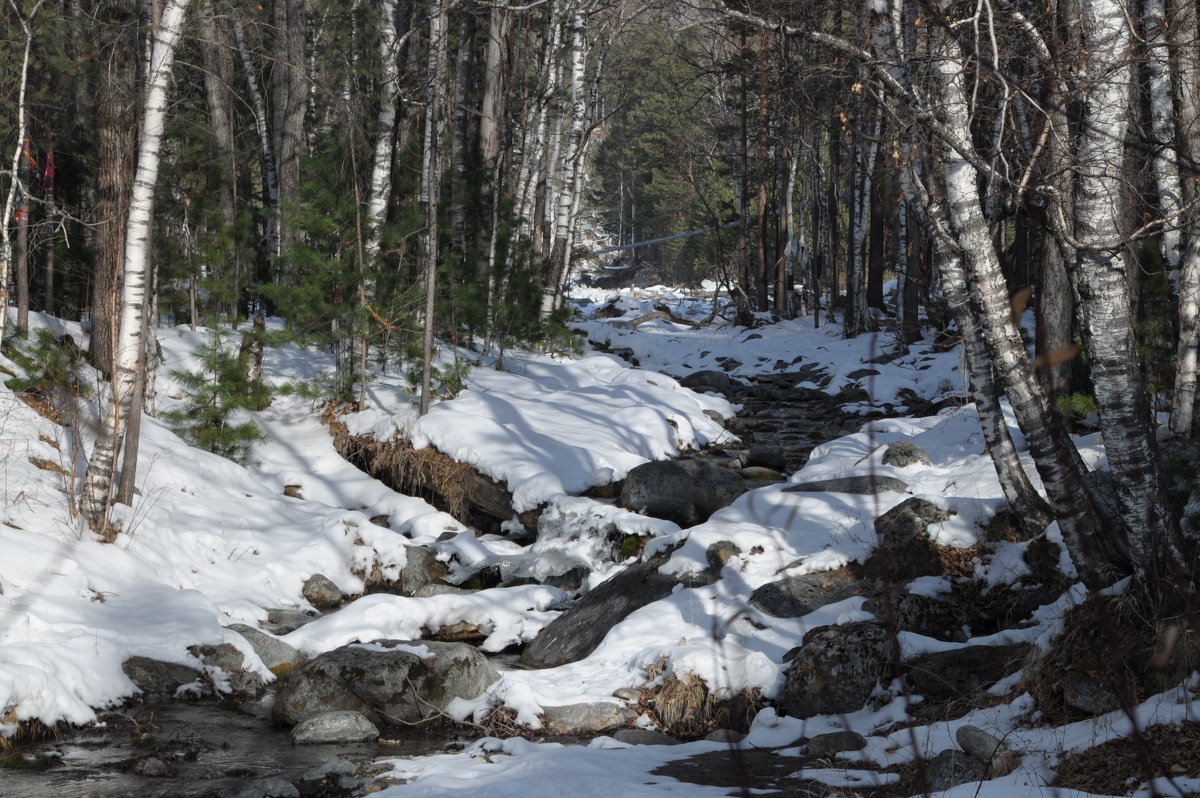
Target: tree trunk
<point>266,147</point>
<point>432,169</point>
<point>22,247</point>
<point>130,344</point>
<point>1103,287</point>
<point>380,190</point>
<point>289,104</point>
<point>1092,543</point>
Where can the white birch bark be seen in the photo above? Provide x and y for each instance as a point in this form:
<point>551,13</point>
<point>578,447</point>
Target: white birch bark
<point>1103,287</point>
<point>6,248</point>
<point>134,302</point>
<point>1055,456</point>
<point>385,138</point>
<point>1185,75</point>
<point>865,155</point>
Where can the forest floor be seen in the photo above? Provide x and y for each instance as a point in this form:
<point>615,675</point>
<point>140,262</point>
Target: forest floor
<point>209,543</point>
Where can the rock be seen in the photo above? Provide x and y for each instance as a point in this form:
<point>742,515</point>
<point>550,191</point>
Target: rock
<point>684,491</point>
<point>729,736</point>
<point>338,726</point>
<point>951,768</point>
<point>280,621</point>
<point>859,374</point>
<point>570,581</point>
<point>231,662</point>
<point>1088,694</point>
<point>905,551</point>
<point>152,767</point>
<point>267,788</point>
<point>715,381</point>
<point>868,485</point>
<point>331,769</point>
<point>772,457</point>
<point>320,591</point>
<point>796,596</point>
<point>157,677</point>
<point>421,568</point>
<point>719,553</point>
<point>576,633</point>
<point>278,656</point>
<point>388,681</point>
<point>987,748</point>
<point>931,616</point>
<point>834,743</point>
<point>836,669</point>
<point>902,454</point>
<point>627,694</point>
<point>961,672</point>
<point>440,590</point>
<point>593,718</point>
<point>644,737</point>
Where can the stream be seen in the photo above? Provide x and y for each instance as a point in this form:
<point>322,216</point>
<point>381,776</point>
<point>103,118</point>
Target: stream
<point>226,749</point>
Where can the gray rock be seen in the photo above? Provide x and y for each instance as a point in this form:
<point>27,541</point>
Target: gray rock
<point>931,616</point>
<point>719,553</point>
<point>961,672</point>
<point>278,656</point>
<point>725,736</point>
<point>717,381</point>
<point>425,591</point>
<point>905,551</point>
<point>987,748</point>
<point>859,374</point>
<point>331,769</point>
<point>836,669</point>
<point>644,737</point>
<point>338,726</point>
<point>576,633</point>
<point>627,694</point>
<point>796,596</point>
<point>421,569</point>
<point>1088,694</point>
<point>592,718</point>
<point>834,743</point>
<point>684,491</point>
<point>320,591</point>
<point>868,485</point>
<point>902,454</point>
<point>280,621</point>
<point>159,678</point>
<point>152,767</point>
<point>267,788</point>
<point>227,658</point>
<point>951,768</point>
<point>385,681</point>
<point>758,475</point>
<point>773,457</point>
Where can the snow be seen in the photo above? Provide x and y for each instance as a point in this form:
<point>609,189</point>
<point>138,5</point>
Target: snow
<point>208,543</point>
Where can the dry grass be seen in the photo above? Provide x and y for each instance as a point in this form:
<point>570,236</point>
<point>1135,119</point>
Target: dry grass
<point>1160,751</point>
<point>425,472</point>
<point>686,708</point>
<point>49,465</point>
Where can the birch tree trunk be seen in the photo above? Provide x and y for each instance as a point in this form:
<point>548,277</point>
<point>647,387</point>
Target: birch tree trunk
<point>432,169</point>
<point>131,329</point>
<point>1092,542</point>
<point>380,190</point>
<point>6,250</point>
<point>866,150</point>
<point>1185,73</point>
<point>1103,287</point>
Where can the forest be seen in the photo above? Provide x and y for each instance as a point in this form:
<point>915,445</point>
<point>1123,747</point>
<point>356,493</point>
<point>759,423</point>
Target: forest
<point>395,177</point>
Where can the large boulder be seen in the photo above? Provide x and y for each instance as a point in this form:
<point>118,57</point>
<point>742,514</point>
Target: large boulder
<point>338,726</point>
<point>902,454</point>
<point>388,681</point>
<point>578,631</point>
<point>836,669</point>
<point>278,656</point>
<point>796,596</point>
<point>962,672</point>
<point>932,616</point>
<point>711,381</point>
<point>321,592</point>
<point>156,677</point>
<point>905,550</point>
<point>684,491</point>
<point>591,718</point>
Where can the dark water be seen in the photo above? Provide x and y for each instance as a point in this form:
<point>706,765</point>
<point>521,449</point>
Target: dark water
<point>208,749</point>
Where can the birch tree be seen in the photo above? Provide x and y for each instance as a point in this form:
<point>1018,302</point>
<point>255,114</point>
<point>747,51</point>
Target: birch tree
<point>134,298</point>
<point>432,170</point>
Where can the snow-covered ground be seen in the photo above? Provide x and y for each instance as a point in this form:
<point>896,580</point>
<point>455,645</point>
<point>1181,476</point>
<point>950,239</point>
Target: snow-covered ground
<point>208,543</point>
